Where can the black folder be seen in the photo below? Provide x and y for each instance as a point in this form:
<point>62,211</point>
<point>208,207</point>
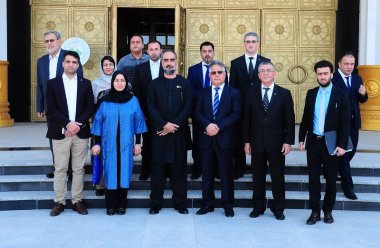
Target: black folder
<point>330,139</point>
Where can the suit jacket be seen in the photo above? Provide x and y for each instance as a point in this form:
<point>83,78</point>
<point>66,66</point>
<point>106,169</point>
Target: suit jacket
<point>143,79</point>
<point>354,96</point>
<point>58,110</point>
<point>239,77</point>
<point>195,76</point>
<point>228,116</point>
<point>268,131</point>
<point>337,116</point>
<point>43,78</point>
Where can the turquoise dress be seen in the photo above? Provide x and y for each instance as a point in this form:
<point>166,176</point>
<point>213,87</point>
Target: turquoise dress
<point>130,118</point>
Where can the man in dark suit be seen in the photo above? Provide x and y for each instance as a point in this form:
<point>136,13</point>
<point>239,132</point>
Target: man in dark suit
<point>326,109</point>
<point>169,105</point>
<point>49,66</point>
<point>217,112</point>
<point>353,85</point>
<point>268,134</point>
<point>70,102</point>
<point>145,73</point>
<point>198,75</point>
<point>243,76</point>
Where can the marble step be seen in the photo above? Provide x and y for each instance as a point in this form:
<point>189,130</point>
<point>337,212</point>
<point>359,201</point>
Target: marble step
<point>293,183</point>
<point>140,199</point>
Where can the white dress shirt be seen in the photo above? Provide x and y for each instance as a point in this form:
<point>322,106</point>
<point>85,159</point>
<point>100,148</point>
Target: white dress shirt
<point>155,68</point>
<point>53,62</point>
<point>253,60</point>
<point>71,87</point>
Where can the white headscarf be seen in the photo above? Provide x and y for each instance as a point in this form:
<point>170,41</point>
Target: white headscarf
<point>103,82</point>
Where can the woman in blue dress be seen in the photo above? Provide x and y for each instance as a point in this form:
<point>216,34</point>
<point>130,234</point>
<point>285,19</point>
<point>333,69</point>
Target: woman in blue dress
<point>116,122</point>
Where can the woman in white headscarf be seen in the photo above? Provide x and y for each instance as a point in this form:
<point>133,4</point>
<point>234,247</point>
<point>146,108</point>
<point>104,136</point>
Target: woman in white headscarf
<point>100,88</point>
<point>102,84</point>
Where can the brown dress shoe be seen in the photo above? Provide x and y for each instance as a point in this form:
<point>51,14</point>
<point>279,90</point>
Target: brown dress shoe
<point>80,208</point>
<point>57,209</point>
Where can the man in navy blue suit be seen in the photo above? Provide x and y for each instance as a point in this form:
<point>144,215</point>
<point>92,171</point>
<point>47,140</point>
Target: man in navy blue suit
<point>244,75</point>
<point>353,85</point>
<point>49,66</point>
<point>199,78</point>
<point>217,113</point>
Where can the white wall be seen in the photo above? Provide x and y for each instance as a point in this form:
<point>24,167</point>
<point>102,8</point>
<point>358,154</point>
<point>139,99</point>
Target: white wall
<point>3,30</point>
<point>369,32</point>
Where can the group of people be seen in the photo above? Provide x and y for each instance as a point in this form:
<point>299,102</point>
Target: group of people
<point>144,107</point>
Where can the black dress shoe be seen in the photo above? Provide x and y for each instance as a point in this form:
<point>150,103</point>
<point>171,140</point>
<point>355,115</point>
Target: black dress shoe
<point>182,210</point>
<point>195,175</point>
<point>154,210</point>
<point>238,175</point>
<point>229,212</point>
<point>338,179</point>
<point>328,218</point>
<point>120,211</point>
<point>50,175</point>
<point>279,215</point>
<point>351,196</point>
<point>314,217</point>
<point>111,211</point>
<point>255,214</point>
<point>143,177</point>
<point>100,192</point>
<point>204,210</point>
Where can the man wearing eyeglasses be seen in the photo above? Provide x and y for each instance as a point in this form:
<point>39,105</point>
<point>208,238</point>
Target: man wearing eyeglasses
<point>169,106</point>
<point>50,66</point>
<point>268,134</point>
<point>217,112</point>
<point>243,76</point>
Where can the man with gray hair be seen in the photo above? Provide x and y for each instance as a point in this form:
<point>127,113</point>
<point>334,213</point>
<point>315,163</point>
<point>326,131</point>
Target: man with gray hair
<point>243,76</point>
<point>50,66</point>
<point>217,113</point>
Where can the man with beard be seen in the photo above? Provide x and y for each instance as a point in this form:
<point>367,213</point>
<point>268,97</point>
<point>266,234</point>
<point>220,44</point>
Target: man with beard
<point>326,109</point>
<point>145,73</point>
<point>199,78</point>
<point>169,107</point>
<point>129,62</point>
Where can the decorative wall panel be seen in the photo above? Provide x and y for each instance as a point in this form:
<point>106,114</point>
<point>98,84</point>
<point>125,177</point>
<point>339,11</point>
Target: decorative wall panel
<point>46,18</point>
<point>317,29</point>
<point>91,68</point>
<point>91,25</point>
<point>130,3</point>
<point>202,26</point>
<point>164,3</point>
<point>238,23</point>
<point>279,29</point>
<point>204,4</point>
<point>317,4</point>
<point>93,2</point>
<point>241,4</point>
<point>232,53</point>
<point>49,2</point>
<point>278,4</point>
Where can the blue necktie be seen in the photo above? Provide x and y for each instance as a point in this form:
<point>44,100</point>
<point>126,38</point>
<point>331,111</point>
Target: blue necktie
<point>348,84</point>
<point>266,100</point>
<point>216,103</point>
<point>207,77</point>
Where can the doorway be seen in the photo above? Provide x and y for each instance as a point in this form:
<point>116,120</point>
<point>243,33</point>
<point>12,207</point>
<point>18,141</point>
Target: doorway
<point>152,24</point>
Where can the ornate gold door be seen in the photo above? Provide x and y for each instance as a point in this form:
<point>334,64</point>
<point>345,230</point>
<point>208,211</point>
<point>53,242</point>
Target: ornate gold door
<point>180,38</point>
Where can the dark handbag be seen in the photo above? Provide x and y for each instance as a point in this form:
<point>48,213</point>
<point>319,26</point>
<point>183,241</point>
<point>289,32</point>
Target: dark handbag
<point>97,169</point>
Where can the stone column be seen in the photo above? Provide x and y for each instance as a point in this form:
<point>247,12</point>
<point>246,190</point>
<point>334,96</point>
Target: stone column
<point>5,119</point>
<point>369,62</point>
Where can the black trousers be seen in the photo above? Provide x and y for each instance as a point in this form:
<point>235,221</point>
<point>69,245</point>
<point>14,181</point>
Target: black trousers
<point>213,160</point>
<point>344,163</point>
<point>146,154</point>
<point>178,182</point>
<point>116,198</point>
<point>276,167</point>
<point>317,155</point>
<point>196,153</point>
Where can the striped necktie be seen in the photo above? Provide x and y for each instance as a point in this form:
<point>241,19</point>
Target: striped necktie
<point>216,103</point>
<point>266,100</point>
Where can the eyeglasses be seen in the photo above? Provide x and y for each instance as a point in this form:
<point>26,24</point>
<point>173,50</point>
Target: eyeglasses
<point>51,41</point>
<point>167,60</point>
<point>216,72</point>
<point>251,41</point>
<point>266,71</point>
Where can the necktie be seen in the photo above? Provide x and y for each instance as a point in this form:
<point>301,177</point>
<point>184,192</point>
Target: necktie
<point>250,68</point>
<point>348,84</point>
<point>207,77</point>
<point>266,100</point>
<point>322,112</point>
<point>216,103</point>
